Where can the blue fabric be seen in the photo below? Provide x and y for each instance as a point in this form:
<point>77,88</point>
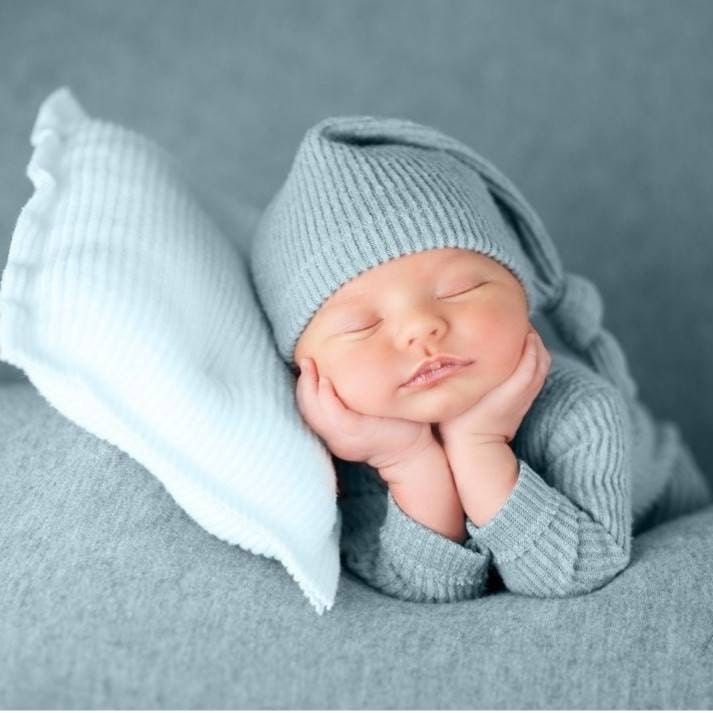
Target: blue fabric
<point>594,468</point>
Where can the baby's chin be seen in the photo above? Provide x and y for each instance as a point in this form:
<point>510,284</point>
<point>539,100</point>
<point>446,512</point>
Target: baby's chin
<point>432,408</point>
<point>432,413</point>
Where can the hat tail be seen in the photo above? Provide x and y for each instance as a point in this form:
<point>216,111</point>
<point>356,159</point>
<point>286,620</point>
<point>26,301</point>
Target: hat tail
<point>577,317</point>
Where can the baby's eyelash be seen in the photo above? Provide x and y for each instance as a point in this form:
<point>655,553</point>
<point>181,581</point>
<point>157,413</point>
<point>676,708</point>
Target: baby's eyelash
<point>455,294</point>
<point>363,329</point>
<point>462,292</point>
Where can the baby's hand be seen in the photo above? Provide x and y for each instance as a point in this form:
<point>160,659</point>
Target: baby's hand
<point>498,415</point>
<point>380,442</point>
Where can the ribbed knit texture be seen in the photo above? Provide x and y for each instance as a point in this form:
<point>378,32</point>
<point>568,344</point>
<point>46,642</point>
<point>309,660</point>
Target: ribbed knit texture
<point>595,469</point>
<point>362,190</point>
<point>346,207</point>
<point>133,315</point>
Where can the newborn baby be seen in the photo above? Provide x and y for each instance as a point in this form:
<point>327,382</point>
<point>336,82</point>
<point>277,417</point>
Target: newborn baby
<point>360,351</point>
<point>391,248</point>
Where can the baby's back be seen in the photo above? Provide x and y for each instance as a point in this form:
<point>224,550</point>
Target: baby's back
<point>666,481</point>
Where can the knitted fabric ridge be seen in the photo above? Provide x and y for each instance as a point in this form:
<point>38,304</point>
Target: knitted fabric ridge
<point>362,190</point>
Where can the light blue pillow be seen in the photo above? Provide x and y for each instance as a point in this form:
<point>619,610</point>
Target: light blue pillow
<point>135,317</point>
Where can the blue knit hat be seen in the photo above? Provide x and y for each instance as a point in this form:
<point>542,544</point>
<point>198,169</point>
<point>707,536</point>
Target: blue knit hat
<point>362,190</point>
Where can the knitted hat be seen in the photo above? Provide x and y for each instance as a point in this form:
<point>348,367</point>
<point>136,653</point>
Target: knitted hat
<point>365,189</point>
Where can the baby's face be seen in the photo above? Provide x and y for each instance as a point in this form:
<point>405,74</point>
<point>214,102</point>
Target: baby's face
<point>373,332</point>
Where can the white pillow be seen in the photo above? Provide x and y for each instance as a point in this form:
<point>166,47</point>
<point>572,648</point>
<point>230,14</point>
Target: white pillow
<point>135,317</point>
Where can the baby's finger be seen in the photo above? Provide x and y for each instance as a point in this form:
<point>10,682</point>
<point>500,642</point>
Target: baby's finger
<point>307,392</point>
<point>530,357</point>
<point>546,354</point>
<point>523,375</point>
<point>540,374</point>
<point>306,381</point>
<point>544,358</point>
<point>345,418</point>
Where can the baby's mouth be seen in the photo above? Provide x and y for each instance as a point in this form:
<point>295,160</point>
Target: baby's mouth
<point>435,376</point>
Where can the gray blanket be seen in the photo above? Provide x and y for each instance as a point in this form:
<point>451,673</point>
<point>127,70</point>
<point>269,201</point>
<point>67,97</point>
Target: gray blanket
<point>113,597</point>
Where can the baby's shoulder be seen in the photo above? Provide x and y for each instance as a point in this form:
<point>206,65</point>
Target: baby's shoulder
<point>571,387</point>
<point>569,375</point>
<point>574,401</point>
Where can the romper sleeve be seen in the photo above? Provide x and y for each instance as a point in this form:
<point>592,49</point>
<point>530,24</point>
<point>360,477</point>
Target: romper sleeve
<point>567,530</point>
<point>394,553</point>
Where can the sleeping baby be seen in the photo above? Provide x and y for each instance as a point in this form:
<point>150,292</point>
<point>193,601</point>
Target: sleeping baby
<point>401,274</point>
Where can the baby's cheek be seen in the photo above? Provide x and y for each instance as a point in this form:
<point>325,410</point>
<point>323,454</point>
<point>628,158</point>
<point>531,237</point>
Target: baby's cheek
<point>499,329</point>
<point>361,382</point>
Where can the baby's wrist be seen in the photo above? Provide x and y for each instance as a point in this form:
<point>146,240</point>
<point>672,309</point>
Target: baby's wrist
<point>424,489</point>
<point>467,441</point>
<point>425,446</point>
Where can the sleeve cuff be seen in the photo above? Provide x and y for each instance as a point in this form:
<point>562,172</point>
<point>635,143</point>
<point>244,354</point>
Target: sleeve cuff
<point>524,516</point>
<point>420,550</point>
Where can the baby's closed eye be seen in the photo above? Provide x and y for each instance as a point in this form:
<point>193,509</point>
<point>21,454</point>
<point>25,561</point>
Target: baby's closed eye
<point>362,329</point>
<point>463,291</point>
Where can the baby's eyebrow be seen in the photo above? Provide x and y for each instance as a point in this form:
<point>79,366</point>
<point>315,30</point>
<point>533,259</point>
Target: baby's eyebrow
<point>345,300</point>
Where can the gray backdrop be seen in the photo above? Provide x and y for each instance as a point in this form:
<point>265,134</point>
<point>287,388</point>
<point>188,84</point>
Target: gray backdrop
<point>600,112</point>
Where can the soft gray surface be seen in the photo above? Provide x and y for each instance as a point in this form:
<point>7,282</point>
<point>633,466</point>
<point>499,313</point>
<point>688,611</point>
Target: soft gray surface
<point>600,113</point>
<point>113,598</point>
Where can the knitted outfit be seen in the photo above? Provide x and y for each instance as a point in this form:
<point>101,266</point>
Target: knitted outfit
<point>595,468</point>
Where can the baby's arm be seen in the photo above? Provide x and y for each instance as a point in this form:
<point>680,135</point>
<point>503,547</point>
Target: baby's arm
<point>407,545</point>
<point>396,554</point>
<point>424,489</point>
<point>570,534</point>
